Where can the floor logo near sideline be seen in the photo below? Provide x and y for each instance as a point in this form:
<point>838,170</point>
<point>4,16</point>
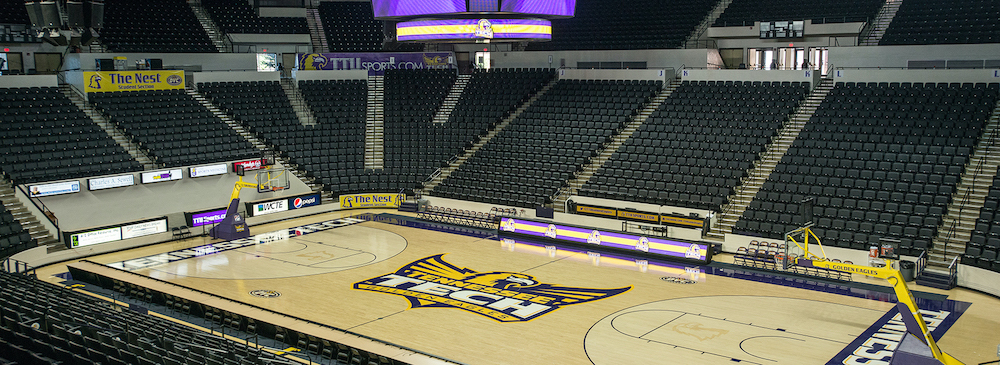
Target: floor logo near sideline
<point>500,295</point>
<point>213,248</point>
<point>263,293</point>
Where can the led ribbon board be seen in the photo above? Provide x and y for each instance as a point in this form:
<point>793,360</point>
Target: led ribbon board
<point>670,249</point>
<point>463,29</point>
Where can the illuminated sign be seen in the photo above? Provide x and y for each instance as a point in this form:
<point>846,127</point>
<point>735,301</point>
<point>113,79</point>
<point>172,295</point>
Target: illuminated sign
<point>110,182</point>
<point>356,201</point>
<point>465,29</point>
<point>270,207</point>
<point>304,201</point>
<point>250,165</point>
<point>206,218</point>
<point>108,81</point>
<point>144,229</point>
<point>669,248</point>
<point>210,170</point>
<point>161,176</point>
<point>66,187</point>
<point>95,237</point>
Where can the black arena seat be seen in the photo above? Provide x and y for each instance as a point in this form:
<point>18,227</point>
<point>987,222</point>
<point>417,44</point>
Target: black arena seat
<point>880,159</point>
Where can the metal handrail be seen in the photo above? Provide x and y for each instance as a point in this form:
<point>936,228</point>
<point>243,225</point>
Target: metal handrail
<point>921,263</point>
<point>952,229</point>
<point>953,272</point>
<point>49,214</point>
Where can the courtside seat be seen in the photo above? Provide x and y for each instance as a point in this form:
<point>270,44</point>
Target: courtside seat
<point>881,159</point>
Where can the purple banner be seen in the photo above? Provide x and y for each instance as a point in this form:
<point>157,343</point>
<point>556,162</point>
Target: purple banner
<point>207,218</point>
<point>376,63</point>
<point>620,240</point>
<point>404,8</point>
<point>560,8</point>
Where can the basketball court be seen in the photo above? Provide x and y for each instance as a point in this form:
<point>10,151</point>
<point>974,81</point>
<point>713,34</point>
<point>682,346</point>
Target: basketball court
<point>472,297</point>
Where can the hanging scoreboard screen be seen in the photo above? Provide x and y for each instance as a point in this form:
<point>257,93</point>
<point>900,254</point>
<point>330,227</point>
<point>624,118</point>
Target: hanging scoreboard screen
<point>412,9</point>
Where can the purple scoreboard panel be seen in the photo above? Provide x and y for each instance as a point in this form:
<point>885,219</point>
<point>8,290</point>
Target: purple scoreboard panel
<point>555,8</point>
<point>660,247</point>
<point>484,5</point>
<point>407,8</point>
<point>470,29</point>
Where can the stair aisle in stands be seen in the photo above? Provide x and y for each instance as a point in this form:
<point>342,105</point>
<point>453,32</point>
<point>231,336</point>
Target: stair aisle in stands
<point>559,203</point>
<point>749,187</point>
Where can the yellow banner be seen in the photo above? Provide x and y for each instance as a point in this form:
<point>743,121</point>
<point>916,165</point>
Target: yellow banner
<point>678,221</point>
<point>596,210</point>
<point>638,216</point>
<point>357,201</point>
<point>109,81</point>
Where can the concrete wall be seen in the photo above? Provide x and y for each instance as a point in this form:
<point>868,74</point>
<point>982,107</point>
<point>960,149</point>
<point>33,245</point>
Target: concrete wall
<point>141,201</point>
<point>281,12</point>
<point>10,81</point>
<point>171,61</point>
<point>979,279</point>
<point>899,56</point>
<point>301,75</point>
<point>235,76</point>
<point>39,256</point>
<point>898,75</point>
<point>590,74</point>
<point>809,76</point>
<point>655,59</point>
<point>272,43</point>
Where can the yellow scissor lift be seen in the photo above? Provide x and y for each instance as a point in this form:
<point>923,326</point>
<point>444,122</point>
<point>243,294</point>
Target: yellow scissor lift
<point>918,347</point>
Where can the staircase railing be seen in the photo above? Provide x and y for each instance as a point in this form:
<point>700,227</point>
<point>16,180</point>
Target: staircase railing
<point>921,264</point>
<point>953,273</point>
<point>952,230</point>
<point>48,213</point>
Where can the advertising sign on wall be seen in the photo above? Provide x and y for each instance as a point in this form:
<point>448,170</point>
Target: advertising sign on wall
<point>144,229</point>
<point>304,201</point>
<point>675,249</point>
<point>249,165</point>
<point>110,182</point>
<point>206,218</point>
<point>66,187</point>
<point>95,237</point>
<point>210,170</point>
<point>161,176</point>
<point>108,81</point>
<point>376,63</point>
<point>356,201</point>
<point>270,207</point>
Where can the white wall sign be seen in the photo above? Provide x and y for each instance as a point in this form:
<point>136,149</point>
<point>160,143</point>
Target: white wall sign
<point>161,176</point>
<point>201,171</point>
<point>111,182</point>
<point>144,229</point>
<point>66,187</point>
<point>270,207</point>
<point>96,237</point>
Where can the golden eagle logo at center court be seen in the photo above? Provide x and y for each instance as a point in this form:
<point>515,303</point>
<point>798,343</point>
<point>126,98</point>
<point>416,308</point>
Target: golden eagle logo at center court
<point>503,296</point>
